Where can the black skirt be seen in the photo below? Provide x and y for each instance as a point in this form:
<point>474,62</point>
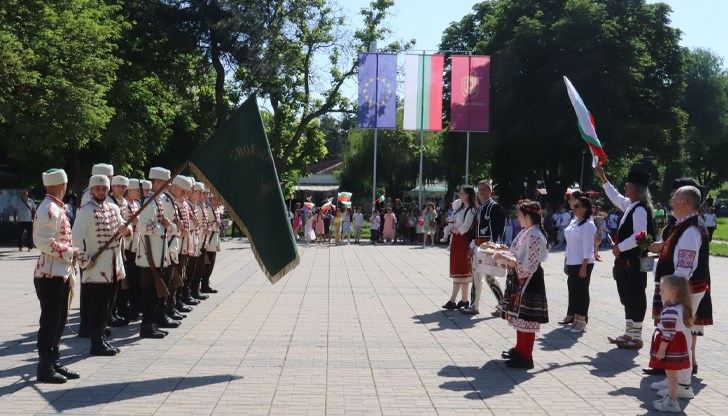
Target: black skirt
<point>526,299</point>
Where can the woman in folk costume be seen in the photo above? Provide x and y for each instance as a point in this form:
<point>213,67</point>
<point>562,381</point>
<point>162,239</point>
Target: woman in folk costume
<point>53,276</point>
<point>461,272</point>
<point>524,301</point>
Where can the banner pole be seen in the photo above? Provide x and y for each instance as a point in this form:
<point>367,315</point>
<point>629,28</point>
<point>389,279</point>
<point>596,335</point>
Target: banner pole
<point>374,179</point>
<point>422,151</point>
<point>467,159</point>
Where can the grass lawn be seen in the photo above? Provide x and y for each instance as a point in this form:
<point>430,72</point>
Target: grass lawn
<point>721,232</point>
<point>718,249</point>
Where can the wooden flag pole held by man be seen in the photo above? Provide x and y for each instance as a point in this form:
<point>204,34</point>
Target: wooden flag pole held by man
<point>237,164</point>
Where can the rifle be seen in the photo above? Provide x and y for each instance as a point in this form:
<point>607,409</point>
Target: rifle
<point>136,214</point>
<point>162,291</point>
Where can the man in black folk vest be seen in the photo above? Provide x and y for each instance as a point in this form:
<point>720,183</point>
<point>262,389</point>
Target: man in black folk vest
<point>685,253</point>
<point>490,222</point>
<point>636,205</point>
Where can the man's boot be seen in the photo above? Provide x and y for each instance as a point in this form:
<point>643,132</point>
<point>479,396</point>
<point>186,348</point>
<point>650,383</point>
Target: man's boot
<point>172,312</point>
<point>65,372</point>
<point>180,306</point>
<point>187,296</point>
<point>46,373</point>
<point>195,289</point>
<point>206,286</point>
<point>123,308</point>
<point>150,331</point>
<point>100,348</point>
<point>164,321</point>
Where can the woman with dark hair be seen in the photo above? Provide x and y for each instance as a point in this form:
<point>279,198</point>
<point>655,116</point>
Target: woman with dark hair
<point>524,301</point>
<point>579,262</point>
<point>460,264</point>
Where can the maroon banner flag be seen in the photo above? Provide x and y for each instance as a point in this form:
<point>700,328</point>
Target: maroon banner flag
<point>470,95</point>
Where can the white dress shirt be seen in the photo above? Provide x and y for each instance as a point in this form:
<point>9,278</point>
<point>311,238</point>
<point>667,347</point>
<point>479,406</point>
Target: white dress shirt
<point>639,218</point>
<point>580,242</point>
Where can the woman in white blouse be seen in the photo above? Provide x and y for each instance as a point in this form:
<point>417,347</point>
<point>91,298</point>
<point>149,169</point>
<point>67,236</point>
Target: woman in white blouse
<point>461,270</point>
<point>579,262</point>
<point>524,301</point>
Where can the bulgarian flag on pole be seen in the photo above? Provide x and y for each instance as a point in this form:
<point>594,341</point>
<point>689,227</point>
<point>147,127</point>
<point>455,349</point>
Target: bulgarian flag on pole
<point>381,199</point>
<point>423,92</point>
<point>586,125</point>
<point>344,196</point>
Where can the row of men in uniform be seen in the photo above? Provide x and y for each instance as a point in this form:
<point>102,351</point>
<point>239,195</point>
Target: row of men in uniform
<point>160,263</point>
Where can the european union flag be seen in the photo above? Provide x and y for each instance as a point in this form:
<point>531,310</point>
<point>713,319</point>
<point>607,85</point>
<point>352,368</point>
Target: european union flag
<point>377,91</point>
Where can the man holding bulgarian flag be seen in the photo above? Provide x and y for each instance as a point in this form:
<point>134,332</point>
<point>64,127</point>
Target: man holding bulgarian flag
<point>586,125</point>
<point>637,208</point>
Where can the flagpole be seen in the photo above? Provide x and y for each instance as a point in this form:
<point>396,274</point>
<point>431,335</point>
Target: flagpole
<point>422,151</point>
<point>374,179</point>
<point>422,129</point>
<point>467,159</point>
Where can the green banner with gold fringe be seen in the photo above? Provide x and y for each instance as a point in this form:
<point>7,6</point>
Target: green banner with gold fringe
<point>237,164</point>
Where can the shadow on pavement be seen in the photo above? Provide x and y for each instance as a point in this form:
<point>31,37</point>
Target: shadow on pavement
<point>448,320</point>
<point>613,362</point>
<point>86,396</point>
<point>558,339</point>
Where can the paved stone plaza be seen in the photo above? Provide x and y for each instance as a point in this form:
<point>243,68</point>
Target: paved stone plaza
<point>353,330</point>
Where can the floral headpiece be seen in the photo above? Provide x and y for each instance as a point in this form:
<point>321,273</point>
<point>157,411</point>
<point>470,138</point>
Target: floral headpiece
<point>529,209</point>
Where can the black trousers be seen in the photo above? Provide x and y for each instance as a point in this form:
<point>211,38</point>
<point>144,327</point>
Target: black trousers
<point>212,255</point>
<point>631,285</point>
<point>151,309</point>
<point>22,227</point>
<point>190,270</point>
<point>53,297</point>
<point>99,303</point>
<point>132,278</point>
<point>578,290</point>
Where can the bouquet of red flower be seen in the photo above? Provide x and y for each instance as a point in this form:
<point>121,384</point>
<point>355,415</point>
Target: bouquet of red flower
<point>643,240</point>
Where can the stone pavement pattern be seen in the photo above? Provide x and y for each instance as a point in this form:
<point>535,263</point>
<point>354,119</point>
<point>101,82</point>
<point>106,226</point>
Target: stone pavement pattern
<point>353,330</point>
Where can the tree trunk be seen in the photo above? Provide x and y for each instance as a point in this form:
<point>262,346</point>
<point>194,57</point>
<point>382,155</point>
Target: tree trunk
<point>220,104</point>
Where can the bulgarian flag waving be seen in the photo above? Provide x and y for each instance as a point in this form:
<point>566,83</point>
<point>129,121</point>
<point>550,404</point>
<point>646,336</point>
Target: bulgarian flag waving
<point>586,125</point>
<point>344,196</point>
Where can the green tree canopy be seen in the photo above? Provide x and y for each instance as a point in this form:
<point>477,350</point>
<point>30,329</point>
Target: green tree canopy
<point>56,67</point>
<point>622,56</point>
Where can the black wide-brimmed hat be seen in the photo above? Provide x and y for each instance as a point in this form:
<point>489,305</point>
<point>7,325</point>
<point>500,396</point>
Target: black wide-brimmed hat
<point>638,177</point>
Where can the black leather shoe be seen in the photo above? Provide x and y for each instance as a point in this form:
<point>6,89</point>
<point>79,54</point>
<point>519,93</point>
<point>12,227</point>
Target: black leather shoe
<point>200,296</point>
<point>510,353</point>
<point>111,346</point>
<point>520,363</point>
<point>181,307</point>
<point>156,328</point>
<point>165,322</point>
<point>128,313</point>
<point>567,320</point>
<point>450,305</point>
<point>49,375</point>
<point>99,348</point>
<point>653,371</point>
<point>463,304</point>
<point>191,301</point>
<point>65,372</point>
<point>173,314</point>
<point>116,322</point>
<point>149,331</point>
<point>208,289</point>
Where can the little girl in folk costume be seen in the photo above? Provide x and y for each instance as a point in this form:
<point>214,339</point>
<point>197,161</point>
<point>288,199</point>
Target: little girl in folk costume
<point>669,344</point>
